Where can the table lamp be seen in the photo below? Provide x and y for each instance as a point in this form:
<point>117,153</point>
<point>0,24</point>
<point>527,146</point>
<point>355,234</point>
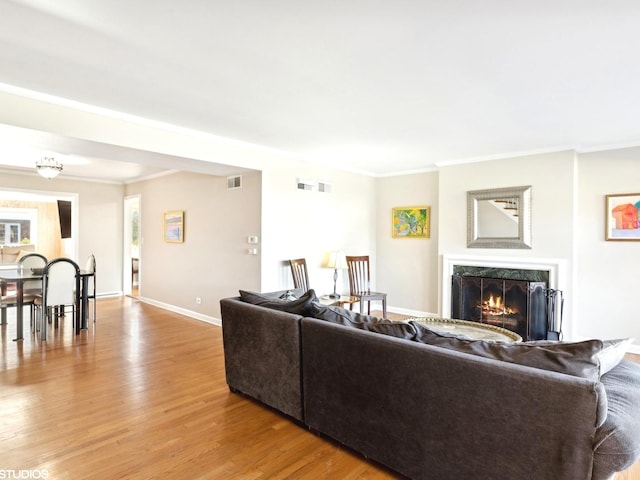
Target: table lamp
<point>337,260</point>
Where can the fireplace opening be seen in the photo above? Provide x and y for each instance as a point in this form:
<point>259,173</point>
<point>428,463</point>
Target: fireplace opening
<point>526,307</point>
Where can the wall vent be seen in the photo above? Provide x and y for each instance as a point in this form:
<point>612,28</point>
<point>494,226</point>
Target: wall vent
<point>324,187</point>
<point>304,184</point>
<point>234,181</point>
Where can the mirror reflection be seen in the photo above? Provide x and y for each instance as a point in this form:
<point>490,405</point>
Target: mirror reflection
<point>499,218</point>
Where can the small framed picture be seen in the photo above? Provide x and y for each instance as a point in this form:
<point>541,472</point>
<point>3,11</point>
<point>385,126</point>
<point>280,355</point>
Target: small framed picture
<point>410,222</point>
<point>622,222</point>
<point>174,226</point>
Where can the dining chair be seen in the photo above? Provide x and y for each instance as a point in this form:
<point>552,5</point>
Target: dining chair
<point>32,261</point>
<point>60,288</point>
<point>359,284</point>
<point>30,288</point>
<point>91,283</point>
<point>299,273</point>
<point>11,300</point>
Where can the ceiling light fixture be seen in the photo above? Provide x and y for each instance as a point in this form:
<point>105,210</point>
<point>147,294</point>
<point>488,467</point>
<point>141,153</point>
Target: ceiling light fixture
<point>48,167</point>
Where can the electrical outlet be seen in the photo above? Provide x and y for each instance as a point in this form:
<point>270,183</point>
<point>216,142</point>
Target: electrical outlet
<point>198,300</point>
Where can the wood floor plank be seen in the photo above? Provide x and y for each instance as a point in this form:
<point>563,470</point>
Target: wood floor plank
<point>142,395</point>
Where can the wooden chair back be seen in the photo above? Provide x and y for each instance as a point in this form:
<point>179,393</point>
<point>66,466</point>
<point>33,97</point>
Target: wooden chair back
<point>359,274</point>
<point>299,273</point>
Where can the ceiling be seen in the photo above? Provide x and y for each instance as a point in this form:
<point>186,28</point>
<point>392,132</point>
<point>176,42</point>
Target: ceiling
<point>378,86</point>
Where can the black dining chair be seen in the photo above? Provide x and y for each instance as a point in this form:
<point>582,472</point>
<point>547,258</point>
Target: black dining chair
<point>91,283</point>
<point>34,262</point>
<point>30,288</point>
<point>60,288</point>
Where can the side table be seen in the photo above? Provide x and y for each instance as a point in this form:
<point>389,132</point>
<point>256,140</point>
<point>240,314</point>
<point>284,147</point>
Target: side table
<point>339,302</point>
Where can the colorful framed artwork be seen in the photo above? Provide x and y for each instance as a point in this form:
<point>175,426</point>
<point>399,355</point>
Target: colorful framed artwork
<point>174,226</point>
<point>622,221</point>
<point>411,222</point>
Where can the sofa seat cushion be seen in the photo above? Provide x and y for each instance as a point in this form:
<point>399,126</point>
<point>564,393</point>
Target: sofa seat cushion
<point>278,301</point>
<point>588,359</point>
<point>342,316</point>
<point>617,441</point>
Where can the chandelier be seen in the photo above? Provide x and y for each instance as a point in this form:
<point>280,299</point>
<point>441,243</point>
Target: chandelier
<point>48,167</point>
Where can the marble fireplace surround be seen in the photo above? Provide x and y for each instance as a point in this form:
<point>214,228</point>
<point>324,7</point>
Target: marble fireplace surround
<point>555,267</point>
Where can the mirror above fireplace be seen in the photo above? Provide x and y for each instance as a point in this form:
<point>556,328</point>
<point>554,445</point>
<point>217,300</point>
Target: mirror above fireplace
<point>499,218</point>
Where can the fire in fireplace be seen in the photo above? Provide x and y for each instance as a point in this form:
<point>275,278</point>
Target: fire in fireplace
<point>521,306</point>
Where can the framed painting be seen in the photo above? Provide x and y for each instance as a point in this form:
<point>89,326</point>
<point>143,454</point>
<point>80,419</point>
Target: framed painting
<point>621,221</point>
<point>173,226</point>
<point>410,222</point>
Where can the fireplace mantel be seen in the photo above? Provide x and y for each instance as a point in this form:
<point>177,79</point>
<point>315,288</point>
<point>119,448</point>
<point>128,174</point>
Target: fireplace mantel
<point>556,268</point>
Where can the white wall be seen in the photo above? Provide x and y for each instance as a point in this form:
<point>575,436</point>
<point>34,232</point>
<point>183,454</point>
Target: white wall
<point>607,271</point>
<point>407,268</point>
<point>310,224</point>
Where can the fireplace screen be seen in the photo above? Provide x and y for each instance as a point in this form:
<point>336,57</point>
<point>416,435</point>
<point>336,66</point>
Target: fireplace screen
<point>517,305</point>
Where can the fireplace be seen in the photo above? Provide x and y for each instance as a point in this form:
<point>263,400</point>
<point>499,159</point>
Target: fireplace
<point>520,294</point>
<point>517,305</point>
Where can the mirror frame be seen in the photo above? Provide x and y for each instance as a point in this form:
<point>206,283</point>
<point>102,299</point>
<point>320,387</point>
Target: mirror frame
<point>523,240</point>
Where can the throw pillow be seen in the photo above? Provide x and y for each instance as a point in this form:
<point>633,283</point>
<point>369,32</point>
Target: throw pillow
<point>301,306</point>
<point>393,329</point>
<point>349,318</point>
<point>342,315</point>
<point>587,359</point>
<point>613,353</point>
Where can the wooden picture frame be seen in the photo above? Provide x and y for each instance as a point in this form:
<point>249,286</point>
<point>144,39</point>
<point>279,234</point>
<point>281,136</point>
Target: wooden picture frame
<point>622,222</point>
<point>173,226</point>
<point>410,222</point>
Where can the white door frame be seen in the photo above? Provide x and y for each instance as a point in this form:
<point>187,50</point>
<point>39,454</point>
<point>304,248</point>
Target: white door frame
<point>129,200</point>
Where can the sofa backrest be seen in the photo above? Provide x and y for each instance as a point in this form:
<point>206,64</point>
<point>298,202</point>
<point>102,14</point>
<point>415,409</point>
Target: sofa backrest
<point>428,412</point>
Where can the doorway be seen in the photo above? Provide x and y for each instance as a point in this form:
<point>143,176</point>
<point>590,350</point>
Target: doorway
<point>132,257</point>
<point>33,217</point>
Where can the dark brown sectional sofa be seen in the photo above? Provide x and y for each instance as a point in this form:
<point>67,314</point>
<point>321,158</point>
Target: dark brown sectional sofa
<point>426,411</point>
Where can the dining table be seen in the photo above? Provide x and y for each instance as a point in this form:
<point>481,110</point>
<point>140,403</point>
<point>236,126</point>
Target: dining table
<point>19,276</point>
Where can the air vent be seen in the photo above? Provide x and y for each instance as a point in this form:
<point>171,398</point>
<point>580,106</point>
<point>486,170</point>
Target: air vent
<point>324,187</point>
<point>304,184</point>
<point>234,182</point>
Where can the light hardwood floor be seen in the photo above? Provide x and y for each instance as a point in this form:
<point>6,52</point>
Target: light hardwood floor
<point>143,396</point>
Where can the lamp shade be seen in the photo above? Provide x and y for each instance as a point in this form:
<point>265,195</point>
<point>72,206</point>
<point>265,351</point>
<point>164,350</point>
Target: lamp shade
<point>337,260</point>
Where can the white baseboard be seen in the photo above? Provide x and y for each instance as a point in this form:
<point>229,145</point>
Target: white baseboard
<point>182,311</point>
<point>412,313</point>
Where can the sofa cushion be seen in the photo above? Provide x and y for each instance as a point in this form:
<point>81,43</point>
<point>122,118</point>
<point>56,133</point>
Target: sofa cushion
<point>349,318</point>
<point>301,306</point>
<point>342,316</point>
<point>617,441</point>
<point>587,359</point>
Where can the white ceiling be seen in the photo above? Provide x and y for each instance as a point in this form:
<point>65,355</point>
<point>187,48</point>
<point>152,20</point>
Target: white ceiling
<point>378,86</point>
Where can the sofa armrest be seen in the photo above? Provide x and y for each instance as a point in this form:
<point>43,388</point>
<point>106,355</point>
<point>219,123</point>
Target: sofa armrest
<point>262,354</point>
<point>427,412</point>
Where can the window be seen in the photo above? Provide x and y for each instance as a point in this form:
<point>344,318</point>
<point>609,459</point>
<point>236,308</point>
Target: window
<point>12,232</point>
